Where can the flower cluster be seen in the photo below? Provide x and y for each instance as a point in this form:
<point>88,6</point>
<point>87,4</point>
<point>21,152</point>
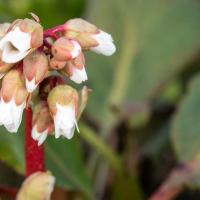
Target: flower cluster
<point>29,58</point>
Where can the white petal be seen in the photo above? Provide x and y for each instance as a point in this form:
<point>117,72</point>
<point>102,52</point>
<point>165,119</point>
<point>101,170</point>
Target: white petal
<point>12,55</point>
<point>106,45</point>
<point>65,121</point>
<point>79,76</point>
<point>11,114</point>
<point>76,50</point>
<point>40,137</point>
<point>19,39</point>
<point>15,45</point>
<point>31,85</point>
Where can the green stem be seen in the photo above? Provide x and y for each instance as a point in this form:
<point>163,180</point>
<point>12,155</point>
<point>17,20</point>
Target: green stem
<point>101,147</point>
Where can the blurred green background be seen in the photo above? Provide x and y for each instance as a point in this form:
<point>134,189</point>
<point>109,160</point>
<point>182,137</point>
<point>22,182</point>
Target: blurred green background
<point>142,118</point>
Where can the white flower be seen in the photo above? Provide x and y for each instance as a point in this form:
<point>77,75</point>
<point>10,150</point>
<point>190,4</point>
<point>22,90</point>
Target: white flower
<point>11,114</point>
<point>105,44</point>
<point>76,50</point>
<point>15,45</point>
<point>31,85</point>
<point>40,137</point>
<point>65,121</point>
<point>79,75</point>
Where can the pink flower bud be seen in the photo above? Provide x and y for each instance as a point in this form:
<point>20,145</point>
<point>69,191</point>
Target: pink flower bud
<point>75,69</point>
<point>64,49</point>
<point>13,97</point>
<point>42,122</point>
<point>22,37</point>
<point>38,186</point>
<point>90,37</point>
<point>56,64</point>
<point>35,68</point>
<point>63,105</point>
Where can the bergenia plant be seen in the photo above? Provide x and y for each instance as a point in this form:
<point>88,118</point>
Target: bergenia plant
<point>34,67</point>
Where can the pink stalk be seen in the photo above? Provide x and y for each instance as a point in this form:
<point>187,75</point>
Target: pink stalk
<point>52,32</point>
<point>176,181</point>
<point>34,154</point>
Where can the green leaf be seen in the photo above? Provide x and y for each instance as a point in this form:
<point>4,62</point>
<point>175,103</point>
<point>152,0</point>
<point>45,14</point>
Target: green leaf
<point>186,126</point>
<point>12,148</point>
<point>64,159</point>
<point>154,39</point>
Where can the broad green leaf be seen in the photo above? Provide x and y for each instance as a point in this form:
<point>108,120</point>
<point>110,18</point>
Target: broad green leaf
<point>12,148</point>
<point>186,124</point>
<point>154,40</point>
<point>64,160</point>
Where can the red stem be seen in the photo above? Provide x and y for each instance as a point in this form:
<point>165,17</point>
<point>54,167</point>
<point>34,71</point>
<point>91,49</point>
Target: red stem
<point>34,154</point>
<point>52,32</point>
<point>12,192</point>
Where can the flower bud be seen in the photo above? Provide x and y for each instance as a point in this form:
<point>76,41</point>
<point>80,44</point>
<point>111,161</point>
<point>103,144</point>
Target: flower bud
<point>37,186</point>
<point>56,64</point>
<point>79,25</point>
<point>35,68</point>
<point>89,36</point>
<point>22,37</point>
<point>13,97</point>
<point>75,69</point>
<point>64,49</point>
<point>63,105</point>
<point>42,122</point>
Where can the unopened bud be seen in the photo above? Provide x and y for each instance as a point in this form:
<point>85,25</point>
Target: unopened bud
<point>37,186</point>
<point>64,49</point>
<point>89,36</point>
<point>12,100</point>
<point>63,105</point>
<point>35,68</point>
<point>75,69</point>
<point>42,122</point>
<point>56,64</point>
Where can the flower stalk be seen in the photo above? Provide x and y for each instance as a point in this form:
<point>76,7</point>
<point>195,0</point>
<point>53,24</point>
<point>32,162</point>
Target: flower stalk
<point>34,154</point>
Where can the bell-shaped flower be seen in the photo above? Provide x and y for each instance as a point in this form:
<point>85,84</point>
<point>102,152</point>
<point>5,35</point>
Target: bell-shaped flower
<point>35,68</point>
<point>23,36</point>
<point>37,186</point>
<point>42,122</point>
<point>75,69</point>
<point>63,105</point>
<point>64,49</point>
<point>13,96</point>
<point>89,36</point>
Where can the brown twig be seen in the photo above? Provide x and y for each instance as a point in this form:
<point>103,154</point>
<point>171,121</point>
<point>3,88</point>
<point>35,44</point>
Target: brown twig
<point>176,181</point>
